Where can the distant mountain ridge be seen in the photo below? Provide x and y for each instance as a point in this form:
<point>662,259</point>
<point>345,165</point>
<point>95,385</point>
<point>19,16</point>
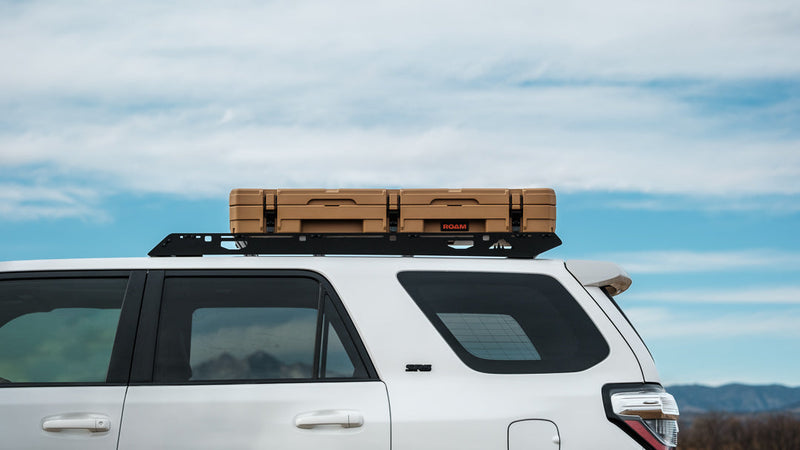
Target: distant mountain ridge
<point>738,398</point>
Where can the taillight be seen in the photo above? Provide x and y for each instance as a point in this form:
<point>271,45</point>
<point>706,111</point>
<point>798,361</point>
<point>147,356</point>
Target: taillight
<point>645,411</point>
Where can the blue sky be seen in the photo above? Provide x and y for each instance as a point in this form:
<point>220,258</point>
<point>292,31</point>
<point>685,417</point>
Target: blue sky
<point>670,132</point>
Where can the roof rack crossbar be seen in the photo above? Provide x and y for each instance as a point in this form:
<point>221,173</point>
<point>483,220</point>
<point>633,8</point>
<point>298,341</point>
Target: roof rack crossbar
<point>511,245</point>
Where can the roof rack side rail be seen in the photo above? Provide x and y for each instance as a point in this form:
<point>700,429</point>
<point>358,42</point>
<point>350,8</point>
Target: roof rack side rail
<point>511,245</point>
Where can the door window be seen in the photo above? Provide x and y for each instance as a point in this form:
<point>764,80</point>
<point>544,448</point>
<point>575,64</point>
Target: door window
<point>229,343</point>
<point>228,329</point>
<point>335,361</point>
<point>58,330</point>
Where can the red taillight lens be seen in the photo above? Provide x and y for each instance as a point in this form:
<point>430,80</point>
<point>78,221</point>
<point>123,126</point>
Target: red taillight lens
<point>645,411</point>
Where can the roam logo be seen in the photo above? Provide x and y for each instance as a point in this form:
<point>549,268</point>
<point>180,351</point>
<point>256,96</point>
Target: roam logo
<point>455,226</point>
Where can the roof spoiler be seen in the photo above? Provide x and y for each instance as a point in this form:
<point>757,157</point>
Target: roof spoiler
<point>605,275</point>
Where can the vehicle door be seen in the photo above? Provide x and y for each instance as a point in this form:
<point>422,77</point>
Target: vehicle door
<point>66,341</point>
<point>250,360</point>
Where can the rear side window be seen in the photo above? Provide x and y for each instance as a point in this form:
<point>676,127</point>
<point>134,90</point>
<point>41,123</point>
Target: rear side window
<point>239,328</point>
<point>58,330</point>
<point>507,322</point>
<point>252,343</point>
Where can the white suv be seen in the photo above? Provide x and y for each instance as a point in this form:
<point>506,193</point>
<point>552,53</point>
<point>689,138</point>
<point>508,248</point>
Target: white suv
<point>323,352</point>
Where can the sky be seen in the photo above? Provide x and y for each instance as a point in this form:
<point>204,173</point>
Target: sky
<point>669,130</point>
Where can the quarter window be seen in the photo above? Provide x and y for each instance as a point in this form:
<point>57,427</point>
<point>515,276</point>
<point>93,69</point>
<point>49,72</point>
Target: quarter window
<point>508,322</point>
<point>490,336</point>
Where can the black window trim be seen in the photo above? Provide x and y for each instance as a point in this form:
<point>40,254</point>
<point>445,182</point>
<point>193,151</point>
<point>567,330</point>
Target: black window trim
<point>120,361</point>
<point>351,345</point>
<point>146,340</point>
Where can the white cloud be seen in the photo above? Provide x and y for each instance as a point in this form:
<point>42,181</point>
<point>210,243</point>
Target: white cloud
<point>686,261</point>
<point>658,323</point>
<point>227,116</point>
<point>772,204</point>
<point>183,98</point>
<point>153,41</point>
<point>20,202</point>
<point>187,153</point>
<point>748,295</point>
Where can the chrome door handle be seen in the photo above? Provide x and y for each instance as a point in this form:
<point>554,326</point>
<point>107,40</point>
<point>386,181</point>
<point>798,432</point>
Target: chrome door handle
<point>342,418</point>
<point>91,422</point>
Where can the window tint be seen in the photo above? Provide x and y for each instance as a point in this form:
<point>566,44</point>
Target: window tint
<point>337,354</point>
<point>252,343</point>
<point>250,328</point>
<point>508,323</point>
<point>58,330</point>
<point>490,336</point>
<point>336,363</point>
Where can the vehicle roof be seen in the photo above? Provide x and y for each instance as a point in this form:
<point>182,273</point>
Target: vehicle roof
<point>277,262</point>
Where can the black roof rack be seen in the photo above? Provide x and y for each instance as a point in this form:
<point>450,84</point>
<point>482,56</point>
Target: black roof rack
<point>512,245</point>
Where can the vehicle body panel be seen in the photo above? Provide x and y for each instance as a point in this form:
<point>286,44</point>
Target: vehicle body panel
<point>253,416</point>
<point>451,406</point>
<point>23,411</point>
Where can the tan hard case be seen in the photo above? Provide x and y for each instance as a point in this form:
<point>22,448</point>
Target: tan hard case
<point>538,211</point>
<point>369,210</point>
<point>331,211</point>
<point>248,208</point>
<point>425,210</point>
